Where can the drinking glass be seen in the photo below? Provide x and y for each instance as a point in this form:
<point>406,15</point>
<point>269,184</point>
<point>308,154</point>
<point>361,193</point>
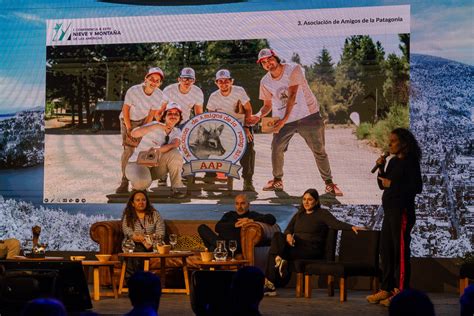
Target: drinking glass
<point>157,241</point>
<point>128,245</point>
<point>233,247</point>
<point>173,240</point>
<point>27,247</point>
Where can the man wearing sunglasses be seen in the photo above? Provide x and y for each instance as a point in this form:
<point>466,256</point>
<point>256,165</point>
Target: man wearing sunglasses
<point>234,100</point>
<point>141,103</point>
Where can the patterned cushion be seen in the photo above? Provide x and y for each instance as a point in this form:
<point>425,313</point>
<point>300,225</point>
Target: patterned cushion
<point>189,242</point>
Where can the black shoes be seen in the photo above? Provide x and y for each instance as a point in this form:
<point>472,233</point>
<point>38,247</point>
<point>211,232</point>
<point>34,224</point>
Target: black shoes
<point>248,186</point>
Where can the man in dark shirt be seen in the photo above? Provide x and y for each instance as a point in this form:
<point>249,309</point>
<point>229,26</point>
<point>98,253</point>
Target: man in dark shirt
<point>228,228</point>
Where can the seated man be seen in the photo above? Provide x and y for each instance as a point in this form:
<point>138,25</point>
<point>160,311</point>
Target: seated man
<point>9,248</point>
<point>228,228</point>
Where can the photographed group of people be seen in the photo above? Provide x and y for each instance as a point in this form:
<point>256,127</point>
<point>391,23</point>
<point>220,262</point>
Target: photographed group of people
<point>152,118</point>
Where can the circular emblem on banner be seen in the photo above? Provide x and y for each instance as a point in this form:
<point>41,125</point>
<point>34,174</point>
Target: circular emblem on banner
<point>213,141</point>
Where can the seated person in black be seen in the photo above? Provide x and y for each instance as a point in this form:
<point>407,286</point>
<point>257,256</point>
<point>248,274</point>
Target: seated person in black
<point>304,238</point>
<point>228,228</point>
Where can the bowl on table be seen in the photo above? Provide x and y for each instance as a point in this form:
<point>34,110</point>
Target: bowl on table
<point>207,256</point>
<point>103,258</point>
<point>163,249</point>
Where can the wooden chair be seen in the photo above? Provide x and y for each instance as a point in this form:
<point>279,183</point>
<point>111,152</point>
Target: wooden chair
<point>358,256</point>
<point>298,266</point>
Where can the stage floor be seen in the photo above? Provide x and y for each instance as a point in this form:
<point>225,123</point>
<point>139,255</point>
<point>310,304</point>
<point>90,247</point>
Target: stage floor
<point>286,304</point>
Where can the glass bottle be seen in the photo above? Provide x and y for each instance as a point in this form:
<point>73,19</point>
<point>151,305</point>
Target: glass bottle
<point>220,253</point>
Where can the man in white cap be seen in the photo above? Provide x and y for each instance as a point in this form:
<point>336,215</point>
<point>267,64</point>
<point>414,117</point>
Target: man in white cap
<point>141,103</point>
<point>285,91</point>
<point>186,94</point>
<point>234,100</point>
<point>163,136</point>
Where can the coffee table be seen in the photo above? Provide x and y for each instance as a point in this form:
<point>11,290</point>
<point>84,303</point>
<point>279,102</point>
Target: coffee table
<point>222,265</point>
<point>23,258</point>
<point>146,256</point>
<point>96,265</point>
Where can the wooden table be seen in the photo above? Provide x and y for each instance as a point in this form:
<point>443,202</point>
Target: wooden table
<point>146,256</point>
<point>96,265</point>
<point>23,258</point>
<point>222,265</point>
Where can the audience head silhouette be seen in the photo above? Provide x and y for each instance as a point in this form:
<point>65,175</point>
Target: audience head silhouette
<point>144,291</point>
<point>247,291</point>
<point>44,307</point>
<point>411,303</point>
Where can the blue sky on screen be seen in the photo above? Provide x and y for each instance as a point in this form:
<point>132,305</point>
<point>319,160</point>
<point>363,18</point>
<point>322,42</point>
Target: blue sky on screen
<point>438,28</point>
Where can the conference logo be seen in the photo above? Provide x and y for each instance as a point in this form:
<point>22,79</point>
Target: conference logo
<point>213,142</point>
<point>61,32</point>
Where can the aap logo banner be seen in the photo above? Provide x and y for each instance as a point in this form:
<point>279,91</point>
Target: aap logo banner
<point>213,142</point>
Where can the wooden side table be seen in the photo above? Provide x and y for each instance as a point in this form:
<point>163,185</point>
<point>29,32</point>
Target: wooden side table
<point>96,265</point>
<point>222,265</point>
<point>146,256</point>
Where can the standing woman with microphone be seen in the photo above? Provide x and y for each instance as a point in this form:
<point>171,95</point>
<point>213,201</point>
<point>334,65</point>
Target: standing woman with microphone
<point>400,182</point>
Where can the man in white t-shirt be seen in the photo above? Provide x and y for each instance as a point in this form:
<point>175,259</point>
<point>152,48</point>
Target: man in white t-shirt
<point>186,94</point>
<point>141,104</point>
<point>285,91</point>
<point>234,100</point>
<point>163,136</point>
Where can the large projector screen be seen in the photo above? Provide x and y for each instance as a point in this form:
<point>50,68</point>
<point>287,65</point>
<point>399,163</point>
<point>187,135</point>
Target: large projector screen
<point>91,63</point>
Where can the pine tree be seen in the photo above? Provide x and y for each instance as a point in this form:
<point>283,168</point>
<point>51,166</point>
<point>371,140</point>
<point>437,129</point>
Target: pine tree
<point>323,68</point>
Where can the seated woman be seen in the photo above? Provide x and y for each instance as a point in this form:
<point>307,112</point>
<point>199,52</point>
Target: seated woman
<point>164,137</point>
<point>304,238</point>
<point>140,221</point>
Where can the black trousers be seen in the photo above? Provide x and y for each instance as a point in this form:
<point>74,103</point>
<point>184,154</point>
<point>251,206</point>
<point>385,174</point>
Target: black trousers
<point>395,248</point>
<point>210,239</point>
<point>248,162</point>
<point>279,247</point>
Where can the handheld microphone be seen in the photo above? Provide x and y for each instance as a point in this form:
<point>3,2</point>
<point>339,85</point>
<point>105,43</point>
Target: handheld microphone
<point>385,155</point>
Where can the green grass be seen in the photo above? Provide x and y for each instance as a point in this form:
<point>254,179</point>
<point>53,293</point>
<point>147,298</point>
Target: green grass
<point>378,133</point>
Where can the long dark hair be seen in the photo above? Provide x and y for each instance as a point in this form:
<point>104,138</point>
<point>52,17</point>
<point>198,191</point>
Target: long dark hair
<point>314,193</point>
<point>409,145</point>
<point>129,213</point>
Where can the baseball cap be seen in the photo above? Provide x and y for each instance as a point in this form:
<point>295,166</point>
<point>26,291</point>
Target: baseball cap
<point>264,54</point>
<point>155,70</point>
<point>172,105</point>
<point>223,74</point>
<point>187,73</point>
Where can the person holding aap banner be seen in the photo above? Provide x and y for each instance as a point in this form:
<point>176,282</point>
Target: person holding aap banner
<point>285,91</point>
<point>234,100</point>
<point>163,139</point>
<point>141,103</point>
<point>186,94</point>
